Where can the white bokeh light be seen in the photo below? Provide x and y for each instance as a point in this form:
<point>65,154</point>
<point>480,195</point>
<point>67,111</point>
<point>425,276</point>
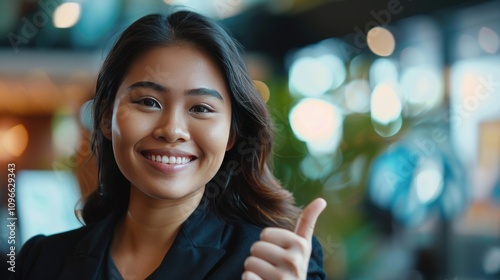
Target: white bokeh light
<point>357,96</point>
<point>428,183</point>
<point>67,15</point>
<point>310,77</point>
<point>422,88</point>
<point>383,70</point>
<point>385,104</point>
<point>337,69</point>
<point>318,123</point>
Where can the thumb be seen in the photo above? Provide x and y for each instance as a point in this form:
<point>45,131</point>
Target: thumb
<point>307,220</point>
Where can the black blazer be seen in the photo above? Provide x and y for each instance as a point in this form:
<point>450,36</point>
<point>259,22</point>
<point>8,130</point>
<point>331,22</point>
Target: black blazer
<point>206,247</point>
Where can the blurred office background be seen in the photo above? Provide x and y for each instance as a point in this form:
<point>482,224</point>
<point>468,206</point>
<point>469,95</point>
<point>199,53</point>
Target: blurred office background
<point>389,109</point>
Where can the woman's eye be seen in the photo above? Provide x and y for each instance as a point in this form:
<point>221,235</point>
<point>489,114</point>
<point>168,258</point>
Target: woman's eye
<point>200,109</point>
<point>149,102</point>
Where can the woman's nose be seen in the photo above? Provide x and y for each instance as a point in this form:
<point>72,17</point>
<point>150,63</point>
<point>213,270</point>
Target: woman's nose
<point>172,127</point>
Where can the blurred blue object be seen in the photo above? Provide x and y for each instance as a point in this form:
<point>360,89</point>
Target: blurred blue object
<point>46,202</point>
<point>98,19</point>
<point>414,180</point>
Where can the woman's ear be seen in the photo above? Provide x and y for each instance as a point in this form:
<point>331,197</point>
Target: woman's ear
<point>105,125</point>
<point>231,140</point>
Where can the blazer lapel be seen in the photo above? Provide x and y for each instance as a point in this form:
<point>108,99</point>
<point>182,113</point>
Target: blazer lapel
<point>196,249</point>
<point>185,263</point>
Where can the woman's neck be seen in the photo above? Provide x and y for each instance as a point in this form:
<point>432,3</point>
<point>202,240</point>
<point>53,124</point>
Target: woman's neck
<point>148,230</point>
<point>151,224</point>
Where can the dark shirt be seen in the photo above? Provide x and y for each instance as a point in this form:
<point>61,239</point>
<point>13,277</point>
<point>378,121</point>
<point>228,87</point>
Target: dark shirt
<point>112,272</point>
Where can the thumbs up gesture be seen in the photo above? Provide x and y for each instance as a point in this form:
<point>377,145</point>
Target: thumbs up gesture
<point>283,254</point>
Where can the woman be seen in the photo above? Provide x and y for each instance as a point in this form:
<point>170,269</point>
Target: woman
<point>182,139</point>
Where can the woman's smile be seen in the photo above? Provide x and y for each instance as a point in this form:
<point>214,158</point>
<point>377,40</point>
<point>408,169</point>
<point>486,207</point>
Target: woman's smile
<point>168,161</point>
<point>171,160</point>
<point>168,156</point>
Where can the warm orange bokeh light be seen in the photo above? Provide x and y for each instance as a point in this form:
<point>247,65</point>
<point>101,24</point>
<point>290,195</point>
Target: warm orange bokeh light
<point>15,140</point>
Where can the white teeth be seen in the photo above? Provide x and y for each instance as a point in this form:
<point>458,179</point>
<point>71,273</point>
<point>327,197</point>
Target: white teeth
<point>169,160</point>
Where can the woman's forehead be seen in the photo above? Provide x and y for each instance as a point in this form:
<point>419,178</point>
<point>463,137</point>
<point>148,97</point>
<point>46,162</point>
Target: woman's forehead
<point>179,65</point>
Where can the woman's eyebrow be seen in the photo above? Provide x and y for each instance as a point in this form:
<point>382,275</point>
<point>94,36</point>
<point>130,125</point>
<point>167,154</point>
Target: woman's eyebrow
<point>150,85</point>
<point>204,91</point>
<point>190,92</point>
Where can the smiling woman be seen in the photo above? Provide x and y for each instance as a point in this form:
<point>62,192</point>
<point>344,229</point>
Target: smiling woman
<point>184,188</point>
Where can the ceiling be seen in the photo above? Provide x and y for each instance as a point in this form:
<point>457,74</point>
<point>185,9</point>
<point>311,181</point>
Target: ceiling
<point>270,26</point>
<point>258,29</point>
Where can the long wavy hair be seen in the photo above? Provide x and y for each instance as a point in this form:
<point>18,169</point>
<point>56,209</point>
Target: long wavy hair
<point>244,187</point>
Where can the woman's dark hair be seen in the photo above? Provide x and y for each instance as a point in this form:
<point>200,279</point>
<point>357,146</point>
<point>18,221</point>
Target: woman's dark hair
<point>243,188</point>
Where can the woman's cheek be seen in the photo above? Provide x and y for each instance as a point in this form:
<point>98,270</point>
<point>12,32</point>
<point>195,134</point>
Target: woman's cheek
<point>219,133</point>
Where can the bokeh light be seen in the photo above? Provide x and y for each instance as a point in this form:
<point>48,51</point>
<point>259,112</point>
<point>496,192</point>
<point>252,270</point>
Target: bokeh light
<point>314,120</point>
<point>337,69</point>
<point>357,96</point>
<point>263,90</point>
<point>422,88</point>
<point>313,77</point>
<point>15,140</point>
<point>383,70</point>
<point>309,77</point>
<point>65,133</point>
<point>488,40</point>
<point>318,123</point>
<point>381,41</point>
<point>67,15</point>
<point>385,104</point>
<point>428,181</point>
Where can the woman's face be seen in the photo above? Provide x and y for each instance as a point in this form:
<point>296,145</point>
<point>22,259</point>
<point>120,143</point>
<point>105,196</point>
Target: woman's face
<point>171,122</point>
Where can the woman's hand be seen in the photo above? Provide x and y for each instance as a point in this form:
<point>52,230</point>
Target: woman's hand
<point>282,254</point>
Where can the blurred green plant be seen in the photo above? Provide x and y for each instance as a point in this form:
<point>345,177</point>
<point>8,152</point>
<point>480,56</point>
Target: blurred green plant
<point>348,236</point>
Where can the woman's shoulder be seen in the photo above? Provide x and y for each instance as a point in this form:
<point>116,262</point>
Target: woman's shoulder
<point>51,242</point>
<point>46,251</point>
<point>45,255</point>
